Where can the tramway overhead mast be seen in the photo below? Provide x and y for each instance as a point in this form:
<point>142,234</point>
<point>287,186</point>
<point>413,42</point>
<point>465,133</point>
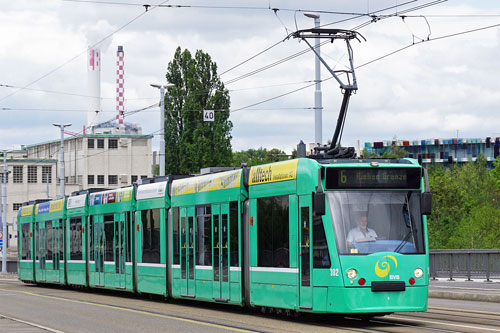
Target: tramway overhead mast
<point>348,86</point>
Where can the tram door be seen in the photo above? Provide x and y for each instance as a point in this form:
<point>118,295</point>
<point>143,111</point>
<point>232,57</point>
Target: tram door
<point>56,247</point>
<point>220,225</point>
<point>305,254</point>
<point>41,249</point>
<point>120,251</point>
<point>99,249</point>
<point>62,267</point>
<point>187,251</point>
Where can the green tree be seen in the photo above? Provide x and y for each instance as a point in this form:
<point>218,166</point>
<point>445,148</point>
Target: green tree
<point>191,143</point>
<point>495,173</point>
<point>466,212</point>
<point>391,152</point>
<point>258,156</point>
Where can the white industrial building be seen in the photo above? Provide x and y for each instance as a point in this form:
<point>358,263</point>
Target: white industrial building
<point>91,161</point>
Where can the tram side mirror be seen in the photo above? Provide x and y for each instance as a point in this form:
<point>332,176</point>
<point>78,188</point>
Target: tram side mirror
<point>319,203</point>
<point>426,203</point>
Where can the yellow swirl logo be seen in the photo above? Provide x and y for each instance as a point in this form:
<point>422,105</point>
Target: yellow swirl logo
<point>385,267</point>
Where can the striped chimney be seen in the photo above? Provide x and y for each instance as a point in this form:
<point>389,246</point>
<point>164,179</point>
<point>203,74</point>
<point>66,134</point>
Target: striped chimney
<point>119,85</point>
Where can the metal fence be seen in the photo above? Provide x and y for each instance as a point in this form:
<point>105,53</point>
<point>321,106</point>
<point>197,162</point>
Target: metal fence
<point>468,264</point>
<point>11,265</point>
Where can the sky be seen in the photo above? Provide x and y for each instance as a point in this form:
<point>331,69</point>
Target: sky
<point>436,87</point>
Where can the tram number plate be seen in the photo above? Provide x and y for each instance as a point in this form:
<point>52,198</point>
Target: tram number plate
<point>334,272</point>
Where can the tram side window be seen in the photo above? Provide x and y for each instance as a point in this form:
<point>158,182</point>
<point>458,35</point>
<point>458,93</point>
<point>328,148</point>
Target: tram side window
<point>109,233</point>
<point>233,231</point>
<point>127,237</point>
<point>90,235</point>
<point>26,242</point>
<point>48,235</point>
<point>203,236</point>
<point>321,256</point>
<point>37,241</point>
<point>150,235</point>
<point>175,235</point>
<point>75,243</point>
<point>272,232</point>
<point>60,241</point>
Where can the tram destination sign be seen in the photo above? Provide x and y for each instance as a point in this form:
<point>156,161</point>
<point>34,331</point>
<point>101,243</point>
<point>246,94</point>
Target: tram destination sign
<point>373,178</point>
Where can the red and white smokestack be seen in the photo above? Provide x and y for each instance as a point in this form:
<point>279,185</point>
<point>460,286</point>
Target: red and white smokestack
<point>119,85</point>
<point>94,86</point>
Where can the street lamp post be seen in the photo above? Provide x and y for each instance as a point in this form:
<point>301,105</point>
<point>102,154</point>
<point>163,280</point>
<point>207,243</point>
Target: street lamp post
<point>4,214</point>
<point>61,161</point>
<point>318,103</point>
<point>162,88</point>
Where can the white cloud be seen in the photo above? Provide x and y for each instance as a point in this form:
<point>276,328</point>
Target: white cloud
<point>426,91</point>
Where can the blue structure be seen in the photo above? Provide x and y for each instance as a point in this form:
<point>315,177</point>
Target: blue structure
<point>441,150</point>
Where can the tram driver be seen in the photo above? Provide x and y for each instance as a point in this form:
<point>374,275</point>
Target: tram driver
<point>361,233</point>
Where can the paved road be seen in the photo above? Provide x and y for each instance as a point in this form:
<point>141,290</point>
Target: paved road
<point>477,290</point>
<point>65,310</point>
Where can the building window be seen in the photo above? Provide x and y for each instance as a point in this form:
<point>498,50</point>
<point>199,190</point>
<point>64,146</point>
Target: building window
<point>72,179</point>
<point>90,179</point>
<point>112,143</point>
<point>134,179</point>
<point>100,143</point>
<point>144,177</point>
<point>46,174</point>
<point>112,179</point>
<point>18,174</point>
<point>32,169</point>
<point>90,144</point>
<point>272,232</point>
<point>1,176</point>
<point>100,179</point>
<point>16,206</point>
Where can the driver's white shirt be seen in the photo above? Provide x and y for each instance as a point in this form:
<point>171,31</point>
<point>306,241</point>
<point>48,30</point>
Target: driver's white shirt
<point>356,234</point>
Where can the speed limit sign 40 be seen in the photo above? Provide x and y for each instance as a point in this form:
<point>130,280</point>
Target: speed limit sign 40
<point>208,115</point>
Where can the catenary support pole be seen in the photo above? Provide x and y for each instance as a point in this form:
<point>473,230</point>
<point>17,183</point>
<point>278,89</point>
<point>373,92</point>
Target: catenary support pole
<point>61,160</point>
<point>162,131</point>
<point>162,88</point>
<point>4,214</point>
<point>318,98</point>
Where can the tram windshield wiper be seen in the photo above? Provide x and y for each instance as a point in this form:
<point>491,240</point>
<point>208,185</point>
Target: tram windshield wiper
<point>408,222</point>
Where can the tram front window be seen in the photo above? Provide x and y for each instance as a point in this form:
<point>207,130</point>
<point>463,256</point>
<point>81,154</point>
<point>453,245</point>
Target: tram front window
<point>377,221</point>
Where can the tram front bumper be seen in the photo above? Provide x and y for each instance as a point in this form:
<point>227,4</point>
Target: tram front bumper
<point>364,300</point>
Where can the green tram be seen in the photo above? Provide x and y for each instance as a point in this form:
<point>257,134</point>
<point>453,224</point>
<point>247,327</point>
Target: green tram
<point>339,236</point>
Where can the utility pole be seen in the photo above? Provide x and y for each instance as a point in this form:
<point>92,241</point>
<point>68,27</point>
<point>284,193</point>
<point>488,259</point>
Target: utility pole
<point>318,98</point>
<point>162,123</point>
<point>4,215</point>
<point>47,186</point>
<point>61,161</point>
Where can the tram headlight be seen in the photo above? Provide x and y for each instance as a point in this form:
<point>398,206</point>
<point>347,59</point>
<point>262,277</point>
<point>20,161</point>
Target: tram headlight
<point>418,272</point>
<point>352,273</point>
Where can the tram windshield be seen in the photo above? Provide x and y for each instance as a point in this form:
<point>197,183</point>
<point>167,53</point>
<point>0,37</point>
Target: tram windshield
<point>377,221</point>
